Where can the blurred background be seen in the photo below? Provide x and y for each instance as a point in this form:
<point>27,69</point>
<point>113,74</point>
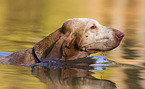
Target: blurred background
<point>25,22</point>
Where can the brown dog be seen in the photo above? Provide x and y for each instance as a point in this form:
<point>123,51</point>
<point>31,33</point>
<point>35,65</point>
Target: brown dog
<point>77,38</point>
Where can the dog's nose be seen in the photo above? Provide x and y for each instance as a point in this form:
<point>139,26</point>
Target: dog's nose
<point>119,34</point>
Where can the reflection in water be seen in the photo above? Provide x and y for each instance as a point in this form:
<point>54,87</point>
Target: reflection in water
<point>25,22</point>
<point>130,53</point>
<point>21,23</point>
<point>133,79</point>
<point>74,74</point>
<point>130,26</point>
<point>70,78</point>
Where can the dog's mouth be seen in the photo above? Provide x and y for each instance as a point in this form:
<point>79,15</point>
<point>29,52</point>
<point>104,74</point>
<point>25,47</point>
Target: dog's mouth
<point>101,45</point>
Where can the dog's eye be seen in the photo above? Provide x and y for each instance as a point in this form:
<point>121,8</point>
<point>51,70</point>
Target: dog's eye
<point>93,27</point>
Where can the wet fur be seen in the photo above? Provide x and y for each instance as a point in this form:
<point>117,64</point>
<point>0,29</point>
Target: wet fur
<point>77,38</point>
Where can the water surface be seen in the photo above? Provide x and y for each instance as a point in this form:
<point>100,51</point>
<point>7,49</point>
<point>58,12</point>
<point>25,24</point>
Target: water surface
<point>25,22</point>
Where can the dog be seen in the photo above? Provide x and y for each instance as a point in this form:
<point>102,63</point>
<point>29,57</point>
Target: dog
<point>77,38</point>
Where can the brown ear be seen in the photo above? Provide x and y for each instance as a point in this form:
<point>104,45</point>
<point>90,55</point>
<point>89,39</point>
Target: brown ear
<point>56,51</point>
<point>43,48</point>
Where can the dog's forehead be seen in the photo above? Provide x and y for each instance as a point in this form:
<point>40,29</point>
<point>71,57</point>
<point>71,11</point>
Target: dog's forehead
<point>78,24</point>
<point>83,20</point>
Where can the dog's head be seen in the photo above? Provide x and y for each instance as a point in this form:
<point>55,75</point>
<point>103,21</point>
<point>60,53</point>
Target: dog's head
<point>88,35</point>
<point>78,38</point>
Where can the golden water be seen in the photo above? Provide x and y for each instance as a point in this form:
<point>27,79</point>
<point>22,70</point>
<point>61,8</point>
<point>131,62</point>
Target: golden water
<point>25,22</point>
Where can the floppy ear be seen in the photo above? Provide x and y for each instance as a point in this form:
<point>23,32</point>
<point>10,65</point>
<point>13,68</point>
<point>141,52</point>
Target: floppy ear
<point>43,48</point>
<point>56,51</point>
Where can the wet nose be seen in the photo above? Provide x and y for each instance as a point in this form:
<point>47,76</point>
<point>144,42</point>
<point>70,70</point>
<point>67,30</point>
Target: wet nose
<point>119,34</point>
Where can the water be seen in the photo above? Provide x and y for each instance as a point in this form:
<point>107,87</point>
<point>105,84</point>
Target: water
<point>25,22</point>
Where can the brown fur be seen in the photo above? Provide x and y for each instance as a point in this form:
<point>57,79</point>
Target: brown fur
<point>67,42</point>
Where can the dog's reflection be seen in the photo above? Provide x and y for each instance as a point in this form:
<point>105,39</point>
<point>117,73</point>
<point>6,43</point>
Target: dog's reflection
<point>70,78</point>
